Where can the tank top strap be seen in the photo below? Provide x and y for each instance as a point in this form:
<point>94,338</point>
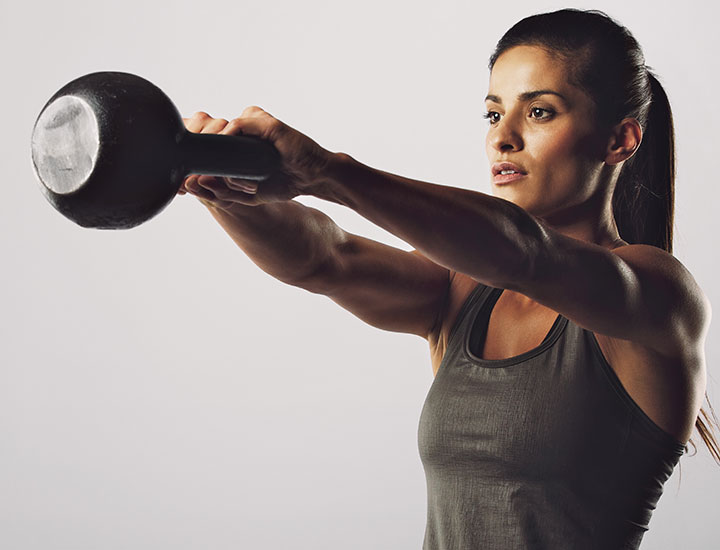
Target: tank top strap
<point>468,312</point>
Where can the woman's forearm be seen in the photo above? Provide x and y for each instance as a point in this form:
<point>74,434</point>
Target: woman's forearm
<point>487,238</point>
<point>288,240</point>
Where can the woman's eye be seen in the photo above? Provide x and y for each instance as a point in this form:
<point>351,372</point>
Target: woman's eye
<point>490,115</point>
<point>540,110</point>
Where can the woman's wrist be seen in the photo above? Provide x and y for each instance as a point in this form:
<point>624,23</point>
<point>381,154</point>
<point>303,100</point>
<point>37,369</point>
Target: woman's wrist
<point>330,181</point>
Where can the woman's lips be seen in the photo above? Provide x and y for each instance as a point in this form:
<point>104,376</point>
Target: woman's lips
<point>500,179</point>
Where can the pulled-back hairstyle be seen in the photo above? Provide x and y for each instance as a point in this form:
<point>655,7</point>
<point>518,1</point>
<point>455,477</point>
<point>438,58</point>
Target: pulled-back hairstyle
<point>605,61</point>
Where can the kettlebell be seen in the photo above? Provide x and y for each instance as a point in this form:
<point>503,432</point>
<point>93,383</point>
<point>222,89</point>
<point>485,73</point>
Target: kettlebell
<point>110,150</point>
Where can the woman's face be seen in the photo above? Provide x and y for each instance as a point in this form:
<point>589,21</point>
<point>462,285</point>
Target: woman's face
<point>550,137</point>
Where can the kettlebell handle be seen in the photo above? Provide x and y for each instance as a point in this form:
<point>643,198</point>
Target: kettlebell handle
<point>245,157</point>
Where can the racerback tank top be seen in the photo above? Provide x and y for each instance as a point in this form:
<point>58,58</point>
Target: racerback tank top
<point>545,450</point>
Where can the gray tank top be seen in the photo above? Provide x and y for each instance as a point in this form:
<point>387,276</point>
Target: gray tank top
<point>545,450</point>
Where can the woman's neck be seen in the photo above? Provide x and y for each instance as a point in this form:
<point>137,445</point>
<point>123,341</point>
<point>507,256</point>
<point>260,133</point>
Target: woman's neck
<point>592,221</point>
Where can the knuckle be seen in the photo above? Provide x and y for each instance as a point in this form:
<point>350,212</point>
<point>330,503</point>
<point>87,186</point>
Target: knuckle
<point>233,126</point>
<point>201,115</point>
<point>214,125</point>
<point>252,109</point>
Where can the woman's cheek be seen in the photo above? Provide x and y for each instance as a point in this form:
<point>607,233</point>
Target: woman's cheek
<point>556,142</point>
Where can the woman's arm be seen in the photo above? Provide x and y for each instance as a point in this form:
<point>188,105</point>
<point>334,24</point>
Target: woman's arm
<point>483,236</point>
<point>384,286</point>
<point>637,292</point>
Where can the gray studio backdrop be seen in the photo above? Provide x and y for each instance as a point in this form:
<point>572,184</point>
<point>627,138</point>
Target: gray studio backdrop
<point>158,390</point>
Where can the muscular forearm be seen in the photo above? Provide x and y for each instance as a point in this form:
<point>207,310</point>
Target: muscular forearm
<point>474,233</point>
<point>288,240</point>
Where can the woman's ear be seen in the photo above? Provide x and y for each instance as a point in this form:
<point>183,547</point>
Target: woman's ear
<point>625,138</point>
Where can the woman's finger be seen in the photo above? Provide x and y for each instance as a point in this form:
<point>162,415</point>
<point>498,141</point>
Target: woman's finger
<point>214,126</point>
<point>209,182</point>
<point>197,121</point>
<point>221,190</point>
<point>218,198</point>
<point>245,186</point>
<point>194,188</point>
<point>262,126</point>
<point>254,111</point>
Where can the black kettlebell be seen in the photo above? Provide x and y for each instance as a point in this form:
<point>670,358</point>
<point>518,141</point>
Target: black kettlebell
<point>111,151</point>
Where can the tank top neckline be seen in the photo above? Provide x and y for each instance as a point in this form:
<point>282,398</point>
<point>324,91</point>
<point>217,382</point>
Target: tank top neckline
<point>491,295</point>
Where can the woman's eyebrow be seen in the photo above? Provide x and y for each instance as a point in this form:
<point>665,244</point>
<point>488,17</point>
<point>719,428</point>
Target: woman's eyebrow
<point>527,96</point>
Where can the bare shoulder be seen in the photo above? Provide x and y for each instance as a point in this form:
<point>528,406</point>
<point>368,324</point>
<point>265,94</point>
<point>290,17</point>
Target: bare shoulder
<point>666,286</point>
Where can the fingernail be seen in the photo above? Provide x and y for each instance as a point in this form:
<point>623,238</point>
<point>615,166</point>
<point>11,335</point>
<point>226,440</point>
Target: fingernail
<point>244,185</point>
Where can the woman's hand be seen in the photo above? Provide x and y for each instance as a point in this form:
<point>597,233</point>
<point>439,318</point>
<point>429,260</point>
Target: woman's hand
<point>301,165</point>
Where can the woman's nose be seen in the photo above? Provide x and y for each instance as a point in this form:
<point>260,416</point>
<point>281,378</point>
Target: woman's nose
<point>504,136</point>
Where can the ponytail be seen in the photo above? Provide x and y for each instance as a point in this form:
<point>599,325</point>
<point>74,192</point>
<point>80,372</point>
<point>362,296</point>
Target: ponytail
<point>644,197</point>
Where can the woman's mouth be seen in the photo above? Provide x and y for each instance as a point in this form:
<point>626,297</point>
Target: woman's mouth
<point>506,172</point>
<point>507,176</point>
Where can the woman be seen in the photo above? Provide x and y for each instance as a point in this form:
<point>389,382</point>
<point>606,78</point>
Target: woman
<point>567,341</point>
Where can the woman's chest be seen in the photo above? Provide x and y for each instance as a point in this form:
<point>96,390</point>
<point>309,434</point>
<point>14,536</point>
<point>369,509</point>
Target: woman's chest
<point>660,387</point>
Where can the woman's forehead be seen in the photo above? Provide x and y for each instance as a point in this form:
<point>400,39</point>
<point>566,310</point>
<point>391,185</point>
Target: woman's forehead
<point>526,68</point>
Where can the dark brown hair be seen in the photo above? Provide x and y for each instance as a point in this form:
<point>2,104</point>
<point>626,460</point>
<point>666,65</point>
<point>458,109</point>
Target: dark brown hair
<point>605,60</point>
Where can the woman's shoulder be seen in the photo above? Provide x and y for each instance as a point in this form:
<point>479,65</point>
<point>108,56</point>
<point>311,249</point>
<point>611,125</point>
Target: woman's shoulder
<point>664,276</point>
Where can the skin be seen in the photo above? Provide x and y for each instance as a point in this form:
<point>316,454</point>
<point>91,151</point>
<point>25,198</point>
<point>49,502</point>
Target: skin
<point>549,239</point>
<point>570,174</point>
